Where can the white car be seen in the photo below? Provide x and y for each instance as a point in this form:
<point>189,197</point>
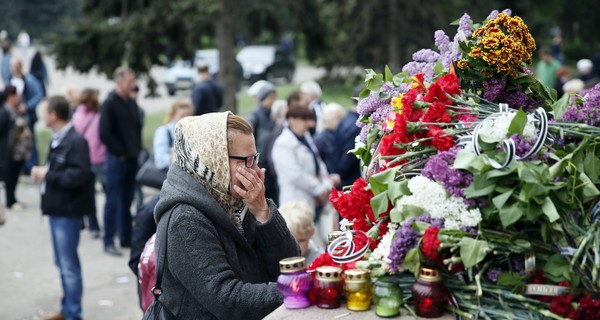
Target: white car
<point>181,75</point>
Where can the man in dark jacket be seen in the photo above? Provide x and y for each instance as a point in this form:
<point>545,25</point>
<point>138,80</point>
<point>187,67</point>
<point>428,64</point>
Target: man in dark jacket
<point>6,127</point>
<point>263,125</point>
<point>207,95</point>
<point>120,131</point>
<point>67,188</point>
<point>348,165</point>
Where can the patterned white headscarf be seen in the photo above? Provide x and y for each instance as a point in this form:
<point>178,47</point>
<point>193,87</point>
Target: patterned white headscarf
<point>201,149</point>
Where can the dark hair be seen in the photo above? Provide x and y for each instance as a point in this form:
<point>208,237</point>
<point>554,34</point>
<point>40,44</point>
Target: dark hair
<point>89,98</point>
<point>9,90</point>
<point>136,88</point>
<point>303,113</point>
<point>294,99</point>
<point>202,67</point>
<point>60,106</point>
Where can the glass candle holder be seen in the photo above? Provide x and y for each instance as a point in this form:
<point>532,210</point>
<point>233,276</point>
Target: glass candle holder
<point>357,290</point>
<point>430,294</point>
<point>387,297</point>
<point>334,235</point>
<point>329,287</point>
<point>294,283</point>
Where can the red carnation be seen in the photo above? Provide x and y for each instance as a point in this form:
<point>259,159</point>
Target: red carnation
<point>436,113</point>
<point>588,308</point>
<point>431,244</point>
<point>561,305</point>
<point>440,140</point>
<point>387,145</point>
<point>408,101</point>
<point>449,83</point>
<point>436,94</point>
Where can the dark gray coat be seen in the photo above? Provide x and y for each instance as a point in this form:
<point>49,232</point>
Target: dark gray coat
<point>213,271</point>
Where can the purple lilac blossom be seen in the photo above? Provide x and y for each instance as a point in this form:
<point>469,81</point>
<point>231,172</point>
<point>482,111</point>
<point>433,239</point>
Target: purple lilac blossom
<point>519,266</point>
<point>464,25</point>
<point>589,111</point>
<point>493,15</point>
<point>439,168</point>
<point>523,146</point>
<point>493,274</point>
<point>471,230</point>
<point>495,90</point>
<point>406,238</point>
<point>376,108</point>
<point>426,55</point>
<point>448,50</point>
<point>492,88</point>
<point>416,67</point>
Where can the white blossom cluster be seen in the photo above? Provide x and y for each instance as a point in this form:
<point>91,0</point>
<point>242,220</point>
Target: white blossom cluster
<point>495,128</point>
<point>381,253</point>
<point>433,198</point>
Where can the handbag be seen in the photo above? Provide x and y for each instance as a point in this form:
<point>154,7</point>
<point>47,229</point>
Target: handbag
<point>157,310</point>
<point>151,176</point>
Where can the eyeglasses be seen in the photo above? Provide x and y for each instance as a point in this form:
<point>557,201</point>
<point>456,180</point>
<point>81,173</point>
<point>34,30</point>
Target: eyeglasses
<point>249,161</point>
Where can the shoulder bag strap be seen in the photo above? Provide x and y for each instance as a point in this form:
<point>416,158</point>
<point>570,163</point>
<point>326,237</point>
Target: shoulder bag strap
<point>169,137</point>
<point>161,260</point>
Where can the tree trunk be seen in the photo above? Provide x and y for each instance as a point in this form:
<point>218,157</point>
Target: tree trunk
<point>225,43</point>
<point>394,34</point>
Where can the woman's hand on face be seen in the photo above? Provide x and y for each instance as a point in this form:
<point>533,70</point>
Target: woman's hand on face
<point>253,192</point>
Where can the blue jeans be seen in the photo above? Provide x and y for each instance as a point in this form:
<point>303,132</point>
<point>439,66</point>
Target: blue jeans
<point>65,239</point>
<point>120,183</point>
<point>99,173</point>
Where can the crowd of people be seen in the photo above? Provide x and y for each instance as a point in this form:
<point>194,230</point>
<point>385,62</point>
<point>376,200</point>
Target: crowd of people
<point>552,71</point>
<point>231,173</point>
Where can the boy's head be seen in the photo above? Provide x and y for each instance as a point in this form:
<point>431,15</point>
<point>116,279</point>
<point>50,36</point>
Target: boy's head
<point>299,218</point>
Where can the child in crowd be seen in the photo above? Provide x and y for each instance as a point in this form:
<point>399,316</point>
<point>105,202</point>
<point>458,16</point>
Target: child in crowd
<point>299,218</point>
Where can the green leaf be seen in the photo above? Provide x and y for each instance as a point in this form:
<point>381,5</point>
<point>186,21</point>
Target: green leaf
<point>589,189</point>
<point>363,94</point>
<point>395,191</point>
<point>375,83</point>
<point>591,165</point>
<point>370,74</point>
<point>464,158</point>
<point>396,215</point>
<point>510,214</point>
<point>389,76</point>
<point>439,67</point>
<point>560,106</point>
<point>379,203</point>
<point>500,199</point>
<point>473,251</point>
<point>510,279</point>
<point>518,123</point>
<point>412,260</point>
<point>411,211</point>
<point>384,95</point>
<point>550,210</point>
<point>420,226</point>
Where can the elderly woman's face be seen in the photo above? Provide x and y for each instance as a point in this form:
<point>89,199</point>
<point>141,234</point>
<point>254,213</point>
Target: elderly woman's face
<point>240,145</point>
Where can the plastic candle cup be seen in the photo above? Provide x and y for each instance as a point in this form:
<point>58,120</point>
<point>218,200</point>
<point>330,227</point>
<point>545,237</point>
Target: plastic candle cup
<point>329,287</point>
<point>294,283</point>
<point>387,298</point>
<point>357,289</point>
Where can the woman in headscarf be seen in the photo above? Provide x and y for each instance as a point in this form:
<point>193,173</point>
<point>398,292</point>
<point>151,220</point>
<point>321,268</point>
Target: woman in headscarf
<point>225,239</point>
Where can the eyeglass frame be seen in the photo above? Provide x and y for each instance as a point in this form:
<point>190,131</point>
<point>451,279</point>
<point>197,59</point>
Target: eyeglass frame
<point>254,160</point>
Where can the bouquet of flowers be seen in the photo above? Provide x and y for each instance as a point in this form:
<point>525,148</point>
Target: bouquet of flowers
<point>474,167</point>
